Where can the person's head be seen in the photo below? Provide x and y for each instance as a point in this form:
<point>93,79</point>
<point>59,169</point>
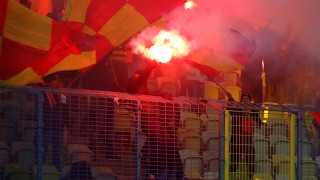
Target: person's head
<point>245,98</point>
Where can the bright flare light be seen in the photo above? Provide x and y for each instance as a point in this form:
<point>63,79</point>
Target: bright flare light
<point>165,45</point>
<point>189,5</point>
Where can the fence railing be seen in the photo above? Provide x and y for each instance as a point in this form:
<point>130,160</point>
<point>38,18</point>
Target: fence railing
<point>74,133</point>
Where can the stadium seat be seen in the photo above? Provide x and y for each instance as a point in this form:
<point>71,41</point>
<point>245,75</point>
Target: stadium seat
<point>262,176</point>
<point>274,138</point>
<point>101,173</point>
<point>307,148</point>
<point>282,177</point>
<point>168,85</point>
<point>317,159</point>
<point>14,113</point>
<point>210,122</point>
<point>49,172</point>
<point>79,152</point>
<point>213,165</point>
<point>190,121</point>
<point>211,140</point>
<point>282,147</point>
<point>24,153</point>
<point>281,163</point>
<point>193,143</point>
<point>27,130</point>
<point>4,154</point>
<point>238,176</point>
<point>65,171</point>
<point>14,171</point>
<point>194,124</point>
<point>187,153</point>
<point>235,92</point>
<point>152,85</point>
<point>261,146</point>
<point>263,165</point>
<point>193,175</point>
<point>212,90</point>
<point>230,78</point>
<point>7,130</point>
<point>211,175</point>
<point>309,178</point>
<point>279,128</point>
<point>207,155</point>
<point>193,164</point>
<point>123,119</point>
<point>309,168</point>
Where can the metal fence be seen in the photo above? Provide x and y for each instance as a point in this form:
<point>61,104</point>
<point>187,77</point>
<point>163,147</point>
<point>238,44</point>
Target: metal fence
<point>82,134</point>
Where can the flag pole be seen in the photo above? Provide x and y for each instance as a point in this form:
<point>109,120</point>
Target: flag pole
<point>220,85</point>
<point>263,78</point>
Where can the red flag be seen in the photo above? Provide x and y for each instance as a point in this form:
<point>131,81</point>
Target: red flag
<point>234,53</point>
<point>115,21</point>
<point>33,45</point>
<point>316,115</point>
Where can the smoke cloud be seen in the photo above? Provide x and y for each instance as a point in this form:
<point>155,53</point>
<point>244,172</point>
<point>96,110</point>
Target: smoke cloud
<point>272,23</point>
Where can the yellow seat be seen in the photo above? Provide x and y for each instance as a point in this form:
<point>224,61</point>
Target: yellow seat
<point>235,91</point>
<point>184,154</point>
<point>211,140</point>
<point>309,168</point>
<point>187,115</point>
<point>238,176</point>
<point>212,90</point>
<point>210,122</point>
<point>309,178</point>
<point>123,119</point>
<point>190,121</point>
<point>211,175</point>
<point>49,172</point>
<point>194,175</point>
<point>193,143</point>
<point>152,85</point>
<point>281,162</point>
<point>282,177</point>
<point>263,166</point>
<point>193,164</point>
<point>230,77</point>
<point>207,155</point>
<point>262,176</point>
<point>168,85</point>
<point>190,141</point>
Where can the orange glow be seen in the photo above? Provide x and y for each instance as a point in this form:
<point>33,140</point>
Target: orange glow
<point>165,45</point>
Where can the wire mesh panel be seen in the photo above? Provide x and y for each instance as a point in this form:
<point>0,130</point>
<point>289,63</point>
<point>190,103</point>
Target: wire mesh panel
<point>19,124</point>
<point>260,140</point>
<point>81,134</point>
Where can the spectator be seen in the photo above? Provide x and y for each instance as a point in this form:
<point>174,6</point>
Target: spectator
<point>242,125</point>
<point>55,117</point>
<point>195,82</point>
<point>101,77</point>
<point>160,148</point>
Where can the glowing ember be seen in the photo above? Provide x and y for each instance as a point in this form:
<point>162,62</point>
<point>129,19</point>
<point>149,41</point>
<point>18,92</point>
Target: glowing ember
<point>160,45</point>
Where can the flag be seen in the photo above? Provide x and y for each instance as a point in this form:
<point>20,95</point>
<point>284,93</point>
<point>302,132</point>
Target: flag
<point>316,115</point>
<point>234,53</point>
<point>114,21</point>
<point>32,45</point>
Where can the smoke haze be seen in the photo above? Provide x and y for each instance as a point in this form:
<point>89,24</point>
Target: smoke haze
<point>271,23</point>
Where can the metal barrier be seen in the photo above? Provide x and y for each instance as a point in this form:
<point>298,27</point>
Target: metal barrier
<point>82,134</point>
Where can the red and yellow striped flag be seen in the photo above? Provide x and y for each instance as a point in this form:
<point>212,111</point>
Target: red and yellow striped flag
<point>32,45</point>
<point>115,21</point>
